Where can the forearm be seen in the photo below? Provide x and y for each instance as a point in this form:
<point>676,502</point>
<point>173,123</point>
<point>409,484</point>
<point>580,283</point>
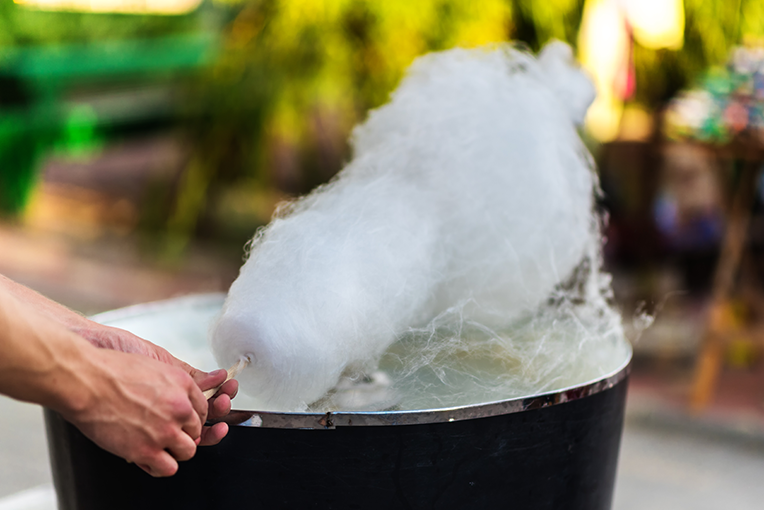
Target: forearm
<point>97,334</point>
<point>40,360</point>
<point>42,305</point>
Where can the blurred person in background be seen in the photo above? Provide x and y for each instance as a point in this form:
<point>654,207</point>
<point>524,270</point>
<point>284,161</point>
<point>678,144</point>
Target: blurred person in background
<point>689,212</point>
<point>131,397</point>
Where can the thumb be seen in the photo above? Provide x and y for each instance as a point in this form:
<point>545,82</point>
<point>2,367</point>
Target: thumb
<point>204,380</point>
<point>207,380</point>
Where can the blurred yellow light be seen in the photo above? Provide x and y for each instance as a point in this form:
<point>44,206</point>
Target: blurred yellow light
<point>168,7</point>
<point>636,124</point>
<point>656,23</point>
<point>603,45</point>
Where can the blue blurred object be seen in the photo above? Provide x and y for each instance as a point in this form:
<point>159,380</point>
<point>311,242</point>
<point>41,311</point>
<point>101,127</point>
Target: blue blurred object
<point>699,232</point>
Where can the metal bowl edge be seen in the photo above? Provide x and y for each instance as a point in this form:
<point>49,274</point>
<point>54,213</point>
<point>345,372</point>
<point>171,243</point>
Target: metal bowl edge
<point>331,420</point>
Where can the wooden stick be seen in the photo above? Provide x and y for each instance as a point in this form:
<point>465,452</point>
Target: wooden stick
<point>709,362</point>
<point>235,369</point>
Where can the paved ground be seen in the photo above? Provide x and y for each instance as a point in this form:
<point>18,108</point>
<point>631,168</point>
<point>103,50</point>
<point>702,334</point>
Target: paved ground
<point>662,467</point>
<point>668,469</point>
<point>23,451</point>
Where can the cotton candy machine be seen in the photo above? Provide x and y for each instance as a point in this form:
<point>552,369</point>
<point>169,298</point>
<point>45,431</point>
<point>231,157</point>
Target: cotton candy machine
<point>556,450</point>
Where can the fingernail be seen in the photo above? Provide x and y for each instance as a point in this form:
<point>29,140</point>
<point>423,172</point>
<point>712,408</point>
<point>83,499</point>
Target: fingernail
<point>218,372</point>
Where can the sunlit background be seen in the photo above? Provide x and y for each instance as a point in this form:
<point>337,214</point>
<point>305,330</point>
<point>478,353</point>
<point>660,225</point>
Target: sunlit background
<point>142,142</point>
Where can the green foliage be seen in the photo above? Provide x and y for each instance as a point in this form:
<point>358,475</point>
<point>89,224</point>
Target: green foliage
<point>22,26</point>
<point>712,28</point>
<point>22,142</point>
<point>80,135</point>
<point>288,66</point>
<point>535,22</point>
<point>293,77</point>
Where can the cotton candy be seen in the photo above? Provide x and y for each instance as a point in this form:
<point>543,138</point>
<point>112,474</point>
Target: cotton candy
<point>470,191</point>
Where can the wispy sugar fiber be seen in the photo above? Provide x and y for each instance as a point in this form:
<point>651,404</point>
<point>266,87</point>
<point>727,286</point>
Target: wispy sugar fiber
<point>463,227</point>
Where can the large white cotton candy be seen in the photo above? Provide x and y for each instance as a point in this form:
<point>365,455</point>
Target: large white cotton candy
<point>470,190</point>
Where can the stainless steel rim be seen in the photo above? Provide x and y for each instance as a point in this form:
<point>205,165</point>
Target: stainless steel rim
<point>331,420</point>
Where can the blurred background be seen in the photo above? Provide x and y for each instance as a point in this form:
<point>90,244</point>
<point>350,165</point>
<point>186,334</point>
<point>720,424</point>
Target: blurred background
<point>142,143</point>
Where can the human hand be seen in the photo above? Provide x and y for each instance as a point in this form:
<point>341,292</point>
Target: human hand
<point>120,340</point>
<point>124,341</point>
<point>131,397</point>
<point>137,408</point>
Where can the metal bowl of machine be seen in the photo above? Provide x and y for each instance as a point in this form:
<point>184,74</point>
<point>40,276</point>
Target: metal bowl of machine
<point>556,450</point>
